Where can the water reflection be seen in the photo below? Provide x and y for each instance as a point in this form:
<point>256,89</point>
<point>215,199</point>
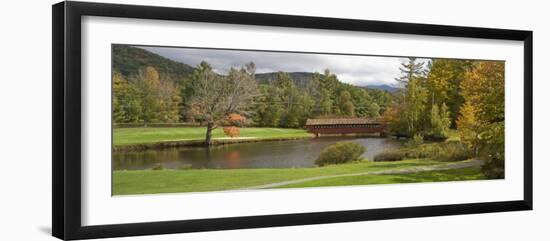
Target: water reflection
<point>276,154</point>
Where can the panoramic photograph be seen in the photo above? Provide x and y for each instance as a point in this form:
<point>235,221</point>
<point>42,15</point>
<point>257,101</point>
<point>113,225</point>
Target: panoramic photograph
<point>188,119</point>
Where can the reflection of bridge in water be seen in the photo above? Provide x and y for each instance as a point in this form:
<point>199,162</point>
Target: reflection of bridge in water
<point>344,126</point>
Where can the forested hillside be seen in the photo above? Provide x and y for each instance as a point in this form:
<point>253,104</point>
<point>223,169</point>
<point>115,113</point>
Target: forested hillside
<point>149,88</point>
<point>130,61</point>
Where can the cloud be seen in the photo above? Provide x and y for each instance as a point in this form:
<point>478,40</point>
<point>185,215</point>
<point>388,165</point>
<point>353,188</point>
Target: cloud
<point>355,70</point>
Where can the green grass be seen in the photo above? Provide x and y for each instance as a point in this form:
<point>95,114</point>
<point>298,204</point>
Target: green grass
<point>200,180</point>
<point>129,136</point>
<point>469,173</point>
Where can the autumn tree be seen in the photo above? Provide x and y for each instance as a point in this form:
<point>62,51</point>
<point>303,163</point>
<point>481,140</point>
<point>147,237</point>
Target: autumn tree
<point>169,101</point>
<point>397,125</point>
<point>147,84</point>
<point>481,121</point>
<point>231,125</point>
<point>231,131</point>
<point>443,83</point>
<point>126,105</point>
<point>216,96</point>
<point>469,125</point>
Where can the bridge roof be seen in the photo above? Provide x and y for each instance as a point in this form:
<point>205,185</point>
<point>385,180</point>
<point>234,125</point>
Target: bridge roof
<point>338,121</point>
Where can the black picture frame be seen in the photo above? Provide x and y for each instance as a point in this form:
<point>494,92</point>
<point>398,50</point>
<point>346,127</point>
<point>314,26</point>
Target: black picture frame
<point>66,127</point>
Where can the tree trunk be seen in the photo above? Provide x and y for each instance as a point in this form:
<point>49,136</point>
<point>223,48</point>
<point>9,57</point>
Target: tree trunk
<point>209,128</point>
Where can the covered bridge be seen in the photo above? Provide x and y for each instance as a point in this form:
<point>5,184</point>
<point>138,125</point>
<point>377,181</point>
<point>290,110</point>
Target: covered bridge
<point>344,126</point>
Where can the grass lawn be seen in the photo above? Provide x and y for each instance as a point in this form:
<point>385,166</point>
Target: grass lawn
<point>468,173</point>
<point>128,136</point>
<point>199,180</point>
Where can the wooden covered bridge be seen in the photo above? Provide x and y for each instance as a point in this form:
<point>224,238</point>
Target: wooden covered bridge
<point>344,126</point>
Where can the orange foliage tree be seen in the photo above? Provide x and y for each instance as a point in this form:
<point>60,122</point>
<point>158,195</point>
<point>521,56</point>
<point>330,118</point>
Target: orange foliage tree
<point>233,121</point>
<point>232,131</point>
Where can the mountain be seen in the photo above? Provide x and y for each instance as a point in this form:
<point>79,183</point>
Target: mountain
<point>129,60</point>
<point>385,87</point>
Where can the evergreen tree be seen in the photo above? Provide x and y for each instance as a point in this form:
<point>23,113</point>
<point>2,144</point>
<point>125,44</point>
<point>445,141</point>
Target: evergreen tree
<point>268,107</point>
<point>410,70</point>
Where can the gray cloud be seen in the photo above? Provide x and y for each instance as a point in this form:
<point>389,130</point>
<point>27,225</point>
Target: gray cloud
<point>355,70</point>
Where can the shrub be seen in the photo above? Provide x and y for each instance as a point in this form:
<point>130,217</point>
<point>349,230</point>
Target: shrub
<point>232,131</point>
<point>390,156</point>
<point>452,151</point>
<point>417,140</point>
<point>447,151</point>
<point>185,166</point>
<point>158,167</point>
<point>493,169</point>
<point>340,152</point>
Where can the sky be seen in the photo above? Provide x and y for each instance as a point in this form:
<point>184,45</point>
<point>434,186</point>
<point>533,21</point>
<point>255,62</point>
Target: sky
<point>355,70</point>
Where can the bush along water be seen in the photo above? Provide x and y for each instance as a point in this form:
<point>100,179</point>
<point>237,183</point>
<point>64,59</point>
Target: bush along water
<point>341,152</point>
<point>445,151</point>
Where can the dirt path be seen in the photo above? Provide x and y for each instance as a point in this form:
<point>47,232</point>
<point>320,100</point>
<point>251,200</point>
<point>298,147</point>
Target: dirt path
<point>447,166</point>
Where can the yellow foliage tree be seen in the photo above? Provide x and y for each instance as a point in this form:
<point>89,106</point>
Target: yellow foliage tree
<point>481,120</point>
<point>469,125</point>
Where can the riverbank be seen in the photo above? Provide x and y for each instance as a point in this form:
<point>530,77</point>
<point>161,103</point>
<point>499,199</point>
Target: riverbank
<point>201,180</point>
<point>130,139</point>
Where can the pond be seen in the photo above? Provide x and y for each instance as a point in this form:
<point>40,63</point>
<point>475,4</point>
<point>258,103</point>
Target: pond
<point>270,154</point>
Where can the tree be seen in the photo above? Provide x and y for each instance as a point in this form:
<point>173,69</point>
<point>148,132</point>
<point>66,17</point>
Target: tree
<point>147,84</point>
<point>414,95</point>
<point>397,125</point>
<point>481,119</point>
<point>268,108</point>
<point>126,105</point>
<point>415,106</point>
<point>346,105</point>
<point>443,83</point>
<point>445,120</point>
<point>325,103</point>
<point>232,131</point>
<point>372,110</point>
<point>410,70</point>
<point>217,96</point>
<point>469,126</point>
<point>233,121</point>
<point>169,101</point>
<point>439,121</point>
<point>291,100</point>
<point>381,98</point>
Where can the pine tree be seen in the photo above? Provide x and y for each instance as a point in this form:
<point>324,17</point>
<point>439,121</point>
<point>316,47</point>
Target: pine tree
<point>410,70</point>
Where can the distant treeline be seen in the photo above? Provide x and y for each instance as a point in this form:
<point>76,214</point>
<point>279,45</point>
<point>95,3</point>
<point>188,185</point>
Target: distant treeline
<point>148,88</point>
